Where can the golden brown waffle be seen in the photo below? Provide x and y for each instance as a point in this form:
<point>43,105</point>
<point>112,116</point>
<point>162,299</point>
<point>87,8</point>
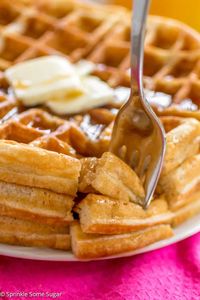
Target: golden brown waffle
<point>108,183</point>
<point>75,138</point>
<point>108,207</point>
<point>45,28</point>
<point>171,64</point>
<point>30,203</point>
<point>28,233</point>
<point>79,30</point>
<point>88,246</point>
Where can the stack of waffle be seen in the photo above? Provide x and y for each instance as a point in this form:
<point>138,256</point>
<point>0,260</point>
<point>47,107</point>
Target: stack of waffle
<point>39,182</point>
<point>60,187</point>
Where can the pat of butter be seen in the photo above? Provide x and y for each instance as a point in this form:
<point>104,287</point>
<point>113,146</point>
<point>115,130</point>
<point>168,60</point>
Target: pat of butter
<point>97,93</point>
<point>53,81</point>
<point>43,79</point>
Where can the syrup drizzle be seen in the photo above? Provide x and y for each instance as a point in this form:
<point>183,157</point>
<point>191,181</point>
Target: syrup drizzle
<point>92,130</point>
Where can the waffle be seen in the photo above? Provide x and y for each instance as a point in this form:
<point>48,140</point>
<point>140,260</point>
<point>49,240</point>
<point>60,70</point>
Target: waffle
<point>57,173</point>
<point>54,170</point>
<point>102,176</point>
<point>30,203</point>
<point>172,50</point>
<point>105,215</point>
<point>89,246</point>
<point>108,207</point>
<point>43,29</point>
<point>110,191</point>
<point>92,245</point>
<point>27,233</point>
<point>171,64</point>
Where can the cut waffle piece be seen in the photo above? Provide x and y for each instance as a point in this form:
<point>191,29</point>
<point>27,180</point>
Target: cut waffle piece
<point>93,245</point>
<point>179,179</point>
<point>30,203</point>
<point>87,246</point>
<point>30,166</point>
<point>106,215</point>
<point>112,177</point>
<point>181,184</point>
<point>187,211</point>
<point>26,233</point>
<point>182,141</point>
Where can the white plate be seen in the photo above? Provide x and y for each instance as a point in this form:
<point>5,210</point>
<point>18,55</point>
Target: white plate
<point>185,230</point>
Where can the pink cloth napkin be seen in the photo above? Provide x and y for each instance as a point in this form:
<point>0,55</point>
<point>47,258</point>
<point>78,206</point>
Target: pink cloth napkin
<point>169,273</point>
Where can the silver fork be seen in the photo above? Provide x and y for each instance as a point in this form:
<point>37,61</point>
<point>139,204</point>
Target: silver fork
<point>138,136</point>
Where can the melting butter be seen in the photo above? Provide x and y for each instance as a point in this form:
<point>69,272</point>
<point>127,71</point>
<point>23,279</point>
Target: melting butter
<point>56,83</point>
<point>97,93</point>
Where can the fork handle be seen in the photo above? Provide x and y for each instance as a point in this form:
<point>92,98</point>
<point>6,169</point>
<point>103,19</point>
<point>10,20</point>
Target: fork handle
<point>139,16</point>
